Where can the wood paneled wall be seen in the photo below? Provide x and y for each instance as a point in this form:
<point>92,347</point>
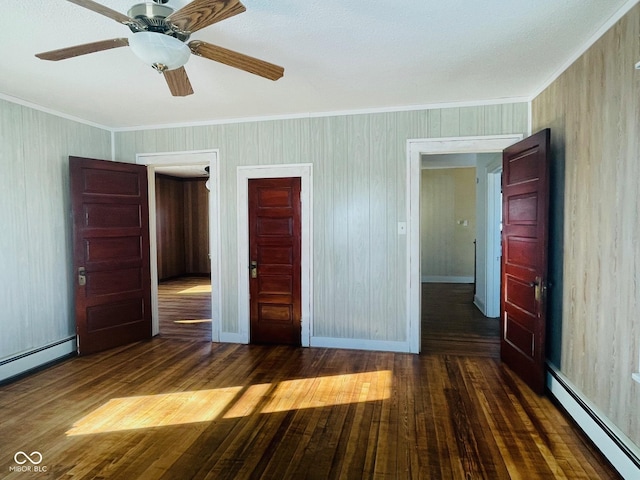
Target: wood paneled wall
<point>182,227</point>
<point>447,197</point>
<point>593,111</point>
<point>170,227</point>
<point>36,295</point>
<point>196,227</point>
<point>359,196</point>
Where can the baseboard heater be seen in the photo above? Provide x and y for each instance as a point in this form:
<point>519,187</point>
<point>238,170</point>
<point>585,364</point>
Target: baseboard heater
<point>615,445</point>
<point>33,359</point>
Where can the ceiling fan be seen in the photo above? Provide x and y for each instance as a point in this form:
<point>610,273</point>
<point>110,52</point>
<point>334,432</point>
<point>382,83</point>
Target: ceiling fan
<point>159,35</point>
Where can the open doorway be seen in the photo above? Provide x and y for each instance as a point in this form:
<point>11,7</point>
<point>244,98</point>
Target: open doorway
<point>416,149</point>
<point>185,299</point>
<point>182,239</point>
<point>452,215</point>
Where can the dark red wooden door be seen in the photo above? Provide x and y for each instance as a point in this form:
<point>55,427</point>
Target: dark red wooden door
<point>110,253</point>
<point>525,204</point>
<point>274,249</point>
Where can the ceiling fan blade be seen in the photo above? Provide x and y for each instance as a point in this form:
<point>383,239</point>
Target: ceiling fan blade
<point>106,11</point>
<point>178,82</point>
<point>202,13</point>
<point>237,60</point>
<point>78,50</point>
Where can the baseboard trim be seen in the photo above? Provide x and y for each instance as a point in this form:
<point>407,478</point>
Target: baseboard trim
<point>617,447</point>
<point>445,279</point>
<point>356,344</point>
<point>33,359</point>
<point>480,304</point>
<point>226,337</point>
<point>332,342</point>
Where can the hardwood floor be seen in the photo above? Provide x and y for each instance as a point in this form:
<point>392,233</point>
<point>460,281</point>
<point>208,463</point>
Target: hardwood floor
<point>169,409</point>
<point>451,323</point>
<point>184,306</point>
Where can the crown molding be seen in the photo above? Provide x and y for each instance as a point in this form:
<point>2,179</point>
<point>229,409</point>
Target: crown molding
<point>51,111</point>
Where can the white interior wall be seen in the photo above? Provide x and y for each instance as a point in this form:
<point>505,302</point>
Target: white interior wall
<point>487,162</point>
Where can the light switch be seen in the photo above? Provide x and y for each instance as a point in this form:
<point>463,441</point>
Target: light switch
<point>402,228</point>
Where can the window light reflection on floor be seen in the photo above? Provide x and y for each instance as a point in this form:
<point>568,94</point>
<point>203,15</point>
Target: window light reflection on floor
<point>206,288</point>
<point>148,411</point>
<point>194,320</point>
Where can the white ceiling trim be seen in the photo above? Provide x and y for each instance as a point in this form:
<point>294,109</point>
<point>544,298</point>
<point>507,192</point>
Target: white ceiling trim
<point>187,157</point>
<point>50,111</point>
<point>369,111</point>
<point>338,113</point>
<point>587,45</point>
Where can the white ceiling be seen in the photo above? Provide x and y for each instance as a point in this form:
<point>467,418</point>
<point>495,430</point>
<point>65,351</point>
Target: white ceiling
<point>338,56</point>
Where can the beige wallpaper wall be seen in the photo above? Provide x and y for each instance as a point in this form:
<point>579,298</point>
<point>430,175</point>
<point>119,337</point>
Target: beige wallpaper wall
<point>359,190</point>
<point>448,197</point>
<point>35,243</point>
<point>593,111</point>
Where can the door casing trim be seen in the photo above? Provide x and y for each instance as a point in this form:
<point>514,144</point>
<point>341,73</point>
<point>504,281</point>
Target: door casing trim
<point>244,173</point>
<point>493,244</point>
<point>195,157</point>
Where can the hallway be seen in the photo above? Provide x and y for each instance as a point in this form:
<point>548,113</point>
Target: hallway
<point>453,325</point>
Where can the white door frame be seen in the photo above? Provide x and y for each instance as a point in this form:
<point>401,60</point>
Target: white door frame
<point>494,214</point>
<point>198,157</point>
<point>304,171</point>
<point>415,149</point>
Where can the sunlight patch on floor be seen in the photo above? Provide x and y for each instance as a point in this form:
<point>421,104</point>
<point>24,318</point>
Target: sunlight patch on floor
<point>147,411</point>
<point>313,393</point>
<point>196,320</point>
<point>197,289</point>
<point>161,410</point>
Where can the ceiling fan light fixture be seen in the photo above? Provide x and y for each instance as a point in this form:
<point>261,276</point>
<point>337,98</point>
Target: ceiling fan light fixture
<point>162,52</point>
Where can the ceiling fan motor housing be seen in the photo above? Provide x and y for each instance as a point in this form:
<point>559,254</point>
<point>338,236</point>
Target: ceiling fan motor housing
<point>150,17</point>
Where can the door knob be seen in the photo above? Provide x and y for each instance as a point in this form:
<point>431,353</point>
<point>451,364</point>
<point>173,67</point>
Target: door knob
<point>82,276</point>
<point>537,284</point>
<point>253,267</point>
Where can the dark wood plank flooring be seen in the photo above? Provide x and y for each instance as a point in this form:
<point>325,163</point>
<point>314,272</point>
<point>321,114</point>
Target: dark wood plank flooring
<point>453,325</point>
<point>174,408</point>
<point>184,306</point>
<point>168,409</point>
